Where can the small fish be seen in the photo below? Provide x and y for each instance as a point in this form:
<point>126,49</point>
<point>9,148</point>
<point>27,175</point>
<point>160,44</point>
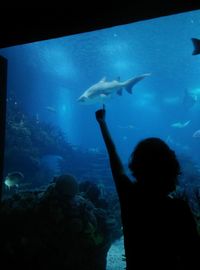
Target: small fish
<point>13,179</point>
<point>127,127</point>
<point>180,125</point>
<point>196,43</point>
<point>93,150</point>
<point>104,89</point>
<point>196,134</point>
<point>50,109</point>
<point>37,118</point>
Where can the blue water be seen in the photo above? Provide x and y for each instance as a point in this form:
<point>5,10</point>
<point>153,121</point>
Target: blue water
<point>54,73</point>
<point>46,78</point>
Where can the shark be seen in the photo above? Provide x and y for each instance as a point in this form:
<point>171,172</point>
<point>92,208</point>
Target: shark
<point>180,125</point>
<point>196,44</point>
<point>104,89</point>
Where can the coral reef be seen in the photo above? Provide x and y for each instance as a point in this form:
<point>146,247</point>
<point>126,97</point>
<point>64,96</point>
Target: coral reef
<point>188,187</point>
<point>58,227</point>
<point>65,224</point>
<point>28,140</point>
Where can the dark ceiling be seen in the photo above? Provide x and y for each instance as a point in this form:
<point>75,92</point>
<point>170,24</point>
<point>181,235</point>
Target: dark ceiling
<point>18,26</point>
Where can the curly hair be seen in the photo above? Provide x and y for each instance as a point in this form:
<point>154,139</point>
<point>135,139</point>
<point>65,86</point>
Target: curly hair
<point>154,163</point>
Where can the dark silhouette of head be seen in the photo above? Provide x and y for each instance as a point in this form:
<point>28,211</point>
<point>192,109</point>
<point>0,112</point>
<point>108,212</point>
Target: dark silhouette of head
<point>155,165</point>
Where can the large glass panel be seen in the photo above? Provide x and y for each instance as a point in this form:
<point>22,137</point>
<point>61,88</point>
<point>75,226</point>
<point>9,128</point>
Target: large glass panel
<point>51,133</point>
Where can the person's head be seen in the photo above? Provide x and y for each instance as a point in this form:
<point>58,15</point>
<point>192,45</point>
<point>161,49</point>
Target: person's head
<point>155,165</point>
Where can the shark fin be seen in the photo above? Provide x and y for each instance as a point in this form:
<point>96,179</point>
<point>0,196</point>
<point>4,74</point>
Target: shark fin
<point>196,43</point>
<point>103,95</point>
<point>129,89</point>
<point>119,92</point>
<point>103,79</point>
<point>130,83</point>
<point>186,123</point>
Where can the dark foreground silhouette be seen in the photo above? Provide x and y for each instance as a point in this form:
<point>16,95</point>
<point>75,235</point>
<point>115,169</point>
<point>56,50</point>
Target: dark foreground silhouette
<point>159,230</point>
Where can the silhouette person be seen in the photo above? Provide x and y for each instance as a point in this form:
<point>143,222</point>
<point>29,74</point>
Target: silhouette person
<point>159,230</point>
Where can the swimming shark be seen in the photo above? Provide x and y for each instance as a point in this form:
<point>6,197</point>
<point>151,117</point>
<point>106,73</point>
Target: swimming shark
<point>180,125</point>
<point>104,89</point>
<point>196,44</point>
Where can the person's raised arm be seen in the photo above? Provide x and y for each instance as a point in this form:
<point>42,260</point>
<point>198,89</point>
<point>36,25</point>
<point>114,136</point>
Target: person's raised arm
<point>115,162</point>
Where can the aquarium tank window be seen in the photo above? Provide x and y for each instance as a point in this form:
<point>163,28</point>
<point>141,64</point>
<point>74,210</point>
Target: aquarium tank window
<point>150,86</point>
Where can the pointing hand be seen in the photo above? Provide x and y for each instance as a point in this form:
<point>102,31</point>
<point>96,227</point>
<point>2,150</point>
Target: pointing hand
<point>101,114</point>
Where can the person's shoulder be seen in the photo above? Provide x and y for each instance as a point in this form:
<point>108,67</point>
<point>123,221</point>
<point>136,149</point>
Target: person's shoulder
<point>126,182</point>
<point>186,220</point>
<point>179,203</point>
<point>181,208</point>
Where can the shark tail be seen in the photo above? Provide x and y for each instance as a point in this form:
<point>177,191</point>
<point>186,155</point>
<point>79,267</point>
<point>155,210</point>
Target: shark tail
<point>196,43</point>
<point>130,83</point>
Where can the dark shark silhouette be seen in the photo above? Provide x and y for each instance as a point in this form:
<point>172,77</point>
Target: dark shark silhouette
<point>196,43</point>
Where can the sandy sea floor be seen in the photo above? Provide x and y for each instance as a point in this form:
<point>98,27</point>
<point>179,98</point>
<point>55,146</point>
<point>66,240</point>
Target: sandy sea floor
<point>115,256</point>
